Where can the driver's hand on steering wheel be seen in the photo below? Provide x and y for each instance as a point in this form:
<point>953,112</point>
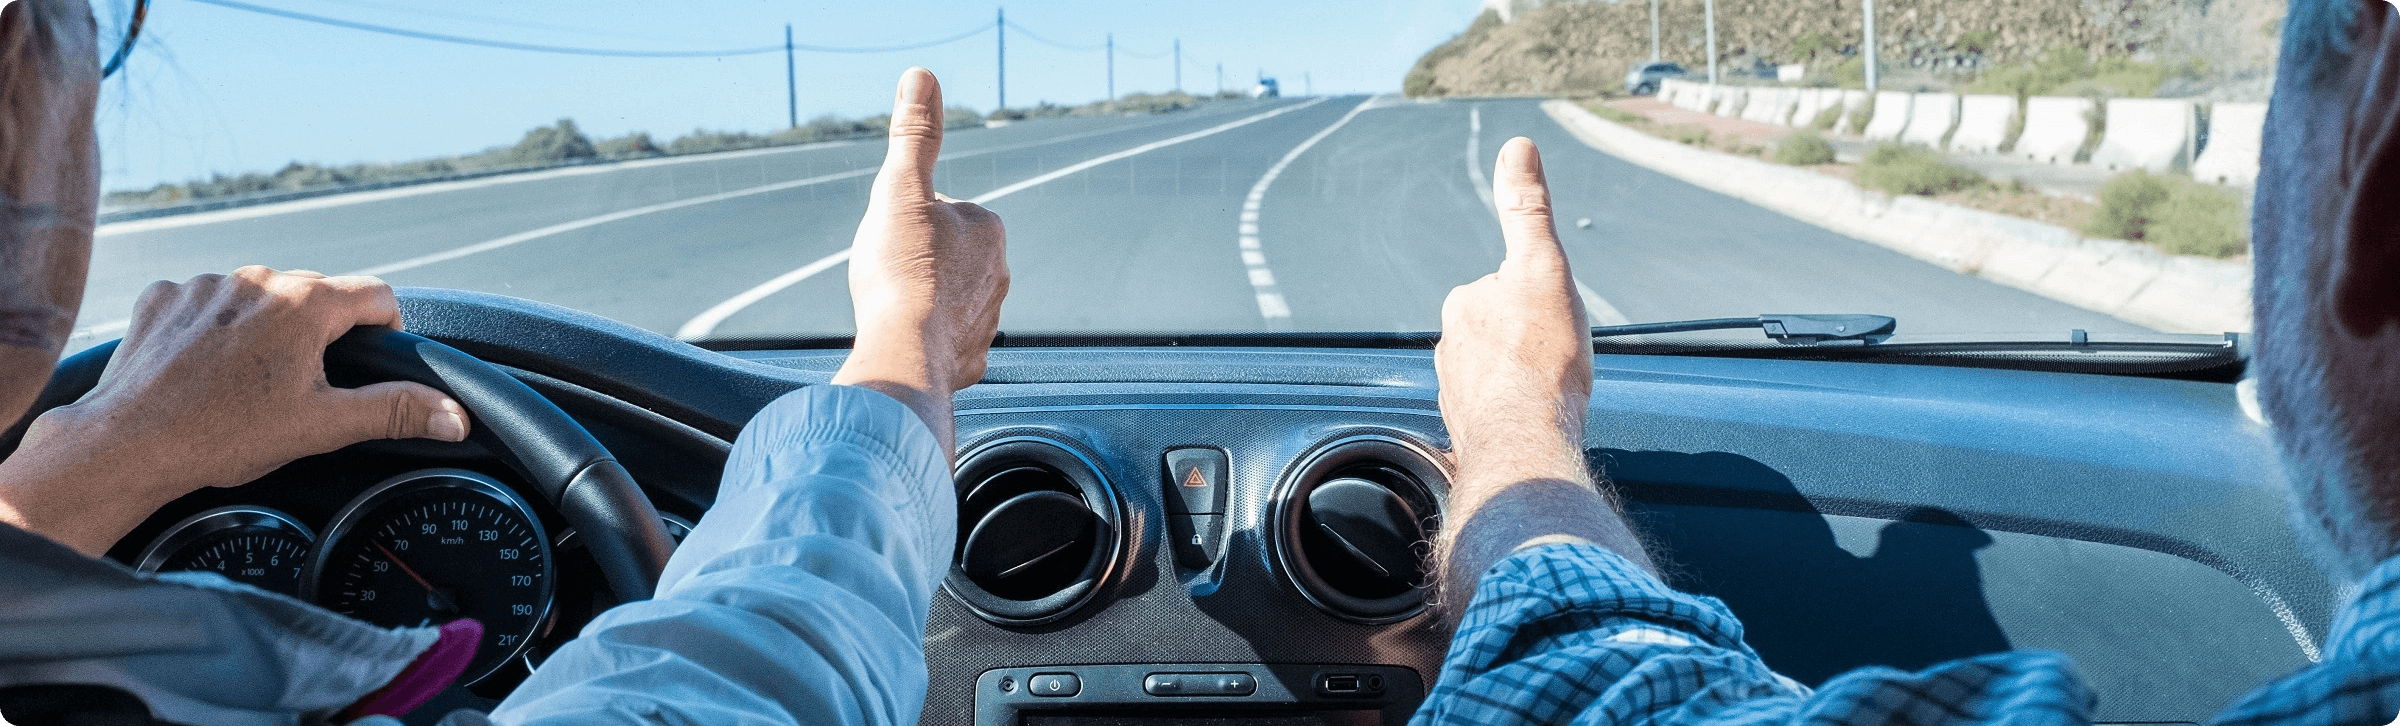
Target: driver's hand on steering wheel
<point>218,381</point>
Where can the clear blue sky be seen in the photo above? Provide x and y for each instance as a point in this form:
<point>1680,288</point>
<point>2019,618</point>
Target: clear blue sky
<point>213,89</point>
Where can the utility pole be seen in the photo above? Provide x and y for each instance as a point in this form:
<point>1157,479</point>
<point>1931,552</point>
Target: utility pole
<point>1712,42</point>
<point>1654,31</point>
<point>1000,30</point>
<point>1308,86</point>
<point>791,76</point>
<point>1869,7</point>
<point>1112,66</point>
<point>1178,65</point>
<point>1220,78</point>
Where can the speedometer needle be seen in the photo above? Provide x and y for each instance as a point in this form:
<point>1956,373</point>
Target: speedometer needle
<point>435,597</point>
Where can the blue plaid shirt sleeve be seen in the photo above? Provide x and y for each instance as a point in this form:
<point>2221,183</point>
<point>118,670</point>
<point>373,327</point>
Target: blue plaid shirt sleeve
<point>1574,633</point>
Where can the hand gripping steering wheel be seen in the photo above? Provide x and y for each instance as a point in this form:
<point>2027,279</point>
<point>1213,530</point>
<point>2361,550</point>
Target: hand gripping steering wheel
<point>544,445</point>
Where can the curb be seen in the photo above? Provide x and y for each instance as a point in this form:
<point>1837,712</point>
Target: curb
<point>2133,282</point>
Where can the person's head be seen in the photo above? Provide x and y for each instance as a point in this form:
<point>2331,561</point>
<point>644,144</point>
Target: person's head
<point>49,186</point>
<point>2326,230</point>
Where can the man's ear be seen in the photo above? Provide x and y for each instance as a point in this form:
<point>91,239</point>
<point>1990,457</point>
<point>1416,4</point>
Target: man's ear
<point>2366,264</point>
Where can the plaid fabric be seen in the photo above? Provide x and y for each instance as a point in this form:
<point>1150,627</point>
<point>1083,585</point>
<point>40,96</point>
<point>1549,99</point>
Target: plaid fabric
<point>1575,634</point>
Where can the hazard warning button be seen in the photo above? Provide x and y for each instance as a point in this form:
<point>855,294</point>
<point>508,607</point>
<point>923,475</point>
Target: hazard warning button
<point>1195,481</point>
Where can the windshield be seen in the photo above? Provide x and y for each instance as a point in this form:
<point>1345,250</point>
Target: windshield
<point>1976,171</point>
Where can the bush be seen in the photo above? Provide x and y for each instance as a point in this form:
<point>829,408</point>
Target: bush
<point>635,145</point>
<point>1803,148</point>
<point>1618,115</point>
<point>1826,119</point>
<point>2065,71</point>
<point>1911,170</point>
<point>1694,134</point>
<point>2201,220</point>
<point>552,144</point>
<point>2180,216</point>
<point>1860,115</point>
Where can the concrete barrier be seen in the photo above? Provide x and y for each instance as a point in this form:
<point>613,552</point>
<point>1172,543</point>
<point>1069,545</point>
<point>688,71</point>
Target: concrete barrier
<point>2233,136</point>
<point>1891,116</point>
<point>1982,123</point>
<point>1762,105</point>
<point>2055,127</point>
<point>1811,100</point>
<point>1787,103</point>
<point>2135,282</point>
<point>1730,101</point>
<point>1853,103</point>
<point>2146,133</point>
<point>1930,116</point>
<point>1675,93</point>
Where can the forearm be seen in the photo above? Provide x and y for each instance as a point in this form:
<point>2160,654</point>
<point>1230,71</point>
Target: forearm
<point>906,372</point>
<point>62,484</point>
<point>1523,482</point>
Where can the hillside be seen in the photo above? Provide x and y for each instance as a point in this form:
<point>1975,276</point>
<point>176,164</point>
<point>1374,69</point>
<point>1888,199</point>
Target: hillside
<point>2222,49</point>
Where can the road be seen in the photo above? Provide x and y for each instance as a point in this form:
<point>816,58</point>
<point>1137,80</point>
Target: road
<point>1342,213</point>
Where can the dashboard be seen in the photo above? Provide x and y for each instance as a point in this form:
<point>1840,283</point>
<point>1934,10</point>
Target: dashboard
<point>1231,535</point>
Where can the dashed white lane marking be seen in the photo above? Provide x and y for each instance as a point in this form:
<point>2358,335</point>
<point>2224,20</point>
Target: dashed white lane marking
<point>115,327</point>
<point>706,322</point>
<point>1271,305</point>
<point>1594,306</point>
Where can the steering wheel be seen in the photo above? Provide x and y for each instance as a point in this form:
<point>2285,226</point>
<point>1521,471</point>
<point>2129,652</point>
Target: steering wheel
<point>548,448</point>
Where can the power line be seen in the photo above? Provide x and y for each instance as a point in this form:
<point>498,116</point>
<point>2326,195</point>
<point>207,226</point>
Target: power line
<point>1037,37</point>
<point>539,48</point>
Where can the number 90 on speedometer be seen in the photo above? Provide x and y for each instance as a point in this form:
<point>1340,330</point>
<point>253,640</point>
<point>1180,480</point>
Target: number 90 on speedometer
<point>434,546</point>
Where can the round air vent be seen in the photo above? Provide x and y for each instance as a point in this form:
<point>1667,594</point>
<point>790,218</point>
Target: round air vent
<point>1038,532</point>
<point>1352,521</point>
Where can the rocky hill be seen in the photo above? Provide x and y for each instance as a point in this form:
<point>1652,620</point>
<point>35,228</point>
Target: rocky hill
<point>2217,48</point>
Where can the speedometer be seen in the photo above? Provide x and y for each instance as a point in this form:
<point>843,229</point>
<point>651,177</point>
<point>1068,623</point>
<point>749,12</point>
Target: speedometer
<point>433,546</point>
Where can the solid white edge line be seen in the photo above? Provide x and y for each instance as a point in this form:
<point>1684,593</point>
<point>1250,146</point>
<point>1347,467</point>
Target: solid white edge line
<point>706,323</point>
<point>118,326</point>
<point>1272,307</point>
<point>1595,307</point>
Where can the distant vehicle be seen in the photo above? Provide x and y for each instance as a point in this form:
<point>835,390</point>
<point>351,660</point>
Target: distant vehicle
<point>1266,88</point>
<point>1643,79</point>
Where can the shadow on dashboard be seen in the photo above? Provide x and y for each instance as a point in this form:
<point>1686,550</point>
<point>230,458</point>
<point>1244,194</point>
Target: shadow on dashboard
<point>1729,526</point>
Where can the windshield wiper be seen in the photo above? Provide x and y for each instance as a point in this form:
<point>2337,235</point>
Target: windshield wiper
<point>1786,329</point>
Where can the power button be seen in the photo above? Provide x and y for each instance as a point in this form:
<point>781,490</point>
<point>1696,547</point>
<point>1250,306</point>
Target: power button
<point>1054,685</point>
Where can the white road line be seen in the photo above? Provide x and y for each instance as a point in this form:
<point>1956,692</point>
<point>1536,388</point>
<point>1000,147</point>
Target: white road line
<point>118,326</point>
<point>1594,306</point>
<point>1271,305</point>
<point>706,322</point>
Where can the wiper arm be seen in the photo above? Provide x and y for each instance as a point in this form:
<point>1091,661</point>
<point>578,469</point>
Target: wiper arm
<point>1786,329</point>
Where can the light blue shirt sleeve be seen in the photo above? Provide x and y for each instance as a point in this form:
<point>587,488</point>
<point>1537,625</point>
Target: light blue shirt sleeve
<point>800,598</point>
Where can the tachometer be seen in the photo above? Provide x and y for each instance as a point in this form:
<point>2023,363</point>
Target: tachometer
<point>433,546</point>
<point>254,546</point>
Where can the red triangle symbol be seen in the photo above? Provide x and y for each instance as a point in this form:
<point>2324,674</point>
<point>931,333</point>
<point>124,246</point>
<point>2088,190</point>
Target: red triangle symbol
<point>1193,479</point>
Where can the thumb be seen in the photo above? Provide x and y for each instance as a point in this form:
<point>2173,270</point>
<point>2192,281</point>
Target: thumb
<point>397,410</point>
<point>916,138</point>
<point>1523,197</point>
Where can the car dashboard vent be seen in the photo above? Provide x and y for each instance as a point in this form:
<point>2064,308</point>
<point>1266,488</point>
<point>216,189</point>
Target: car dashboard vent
<point>1352,524</point>
<point>1038,532</point>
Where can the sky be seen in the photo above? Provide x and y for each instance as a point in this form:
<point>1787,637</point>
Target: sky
<point>211,89</point>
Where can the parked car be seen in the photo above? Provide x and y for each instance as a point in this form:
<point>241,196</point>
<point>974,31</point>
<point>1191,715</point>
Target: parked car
<point>1643,79</point>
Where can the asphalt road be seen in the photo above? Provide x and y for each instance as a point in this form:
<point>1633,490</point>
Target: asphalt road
<point>1203,220</point>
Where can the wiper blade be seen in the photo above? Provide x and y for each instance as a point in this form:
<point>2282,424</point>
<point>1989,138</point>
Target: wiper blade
<point>1786,329</point>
